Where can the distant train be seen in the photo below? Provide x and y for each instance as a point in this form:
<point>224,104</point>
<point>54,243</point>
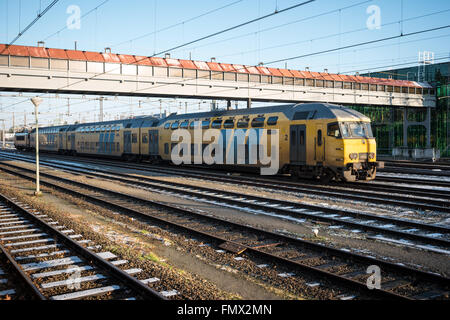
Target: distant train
<point>315,140</point>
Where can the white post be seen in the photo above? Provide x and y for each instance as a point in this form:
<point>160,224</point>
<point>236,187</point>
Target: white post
<point>37,101</point>
<point>3,135</point>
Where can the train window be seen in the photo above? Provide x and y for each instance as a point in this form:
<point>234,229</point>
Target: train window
<point>319,137</point>
<point>174,125</point>
<point>243,123</point>
<point>301,115</point>
<point>193,124</point>
<point>167,125</point>
<point>333,130</point>
<point>184,124</point>
<point>229,123</point>
<point>118,146</point>
<point>258,122</point>
<point>205,124</point>
<point>166,148</point>
<point>272,121</point>
<point>302,137</point>
<point>134,138</point>
<point>293,137</point>
<point>144,138</point>
<point>216,124</point>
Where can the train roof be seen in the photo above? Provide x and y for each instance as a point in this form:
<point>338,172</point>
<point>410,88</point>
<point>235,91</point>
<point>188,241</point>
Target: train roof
<point>301,111</point>
<point>128,123</point>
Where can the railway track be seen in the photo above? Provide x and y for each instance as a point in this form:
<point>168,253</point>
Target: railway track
<point>409,184</point>
<point>435,200</point>
<point>318,264</point>
<point>418,165</point>
<point>13,285</point>
<point>374,225</point>
<point>57,264</point>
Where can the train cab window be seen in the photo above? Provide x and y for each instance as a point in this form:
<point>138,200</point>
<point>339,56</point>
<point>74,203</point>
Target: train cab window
<point>144,138</point>
<point>345,132</point>
<point>258,122</point>
<point>205,124</point>
<point>228,123</point>
<point>97,129</point>
<point>167,125</point>
<point>319,137</point>
<point>216,124</point>
<point>184,124</point>
<point>357,129</point>
<point>333,130</point>
<point>272,121</point>
<point>174,125</point>
<point>243,123</point>
<point>368,130</point>
<point>134,138</point>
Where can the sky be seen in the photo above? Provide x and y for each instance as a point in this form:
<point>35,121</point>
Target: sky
<point>148,27</point>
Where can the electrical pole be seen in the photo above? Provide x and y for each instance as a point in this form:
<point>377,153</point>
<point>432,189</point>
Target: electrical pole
<point>37,101</point>
<point>3,134</point>
<point>100,118</point>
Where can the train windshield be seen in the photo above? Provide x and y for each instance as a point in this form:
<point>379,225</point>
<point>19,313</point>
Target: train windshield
<point>356,130</point>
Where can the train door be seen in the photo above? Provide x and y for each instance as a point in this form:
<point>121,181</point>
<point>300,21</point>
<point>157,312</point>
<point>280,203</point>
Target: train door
<point>319,141</point>
<point>72,141</point>
<point>127,142</point>
<point>298,144</point>
<point>61,141</point>
<point>153,142</point>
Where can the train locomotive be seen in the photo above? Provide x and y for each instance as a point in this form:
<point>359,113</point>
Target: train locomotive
<point>315,140</point>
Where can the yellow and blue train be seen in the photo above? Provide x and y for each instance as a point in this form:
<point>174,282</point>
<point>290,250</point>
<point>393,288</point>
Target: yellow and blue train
<point>315,140</point>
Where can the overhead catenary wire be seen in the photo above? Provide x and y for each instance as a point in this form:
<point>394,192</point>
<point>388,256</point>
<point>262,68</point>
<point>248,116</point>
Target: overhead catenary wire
<point>39,15</point>
<point>358,44</point>
<point>176,24</point>
<point>235,27</point>
<point>287,44</point>
<point>280,25</point>
<point>83,16</point>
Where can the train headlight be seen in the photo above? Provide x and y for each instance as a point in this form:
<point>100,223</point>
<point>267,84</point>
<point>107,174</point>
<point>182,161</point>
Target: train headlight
<point>353,156</point>
<point>371,155</point>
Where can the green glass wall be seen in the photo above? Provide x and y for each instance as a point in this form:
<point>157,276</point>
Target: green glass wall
<point>387,125</point>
